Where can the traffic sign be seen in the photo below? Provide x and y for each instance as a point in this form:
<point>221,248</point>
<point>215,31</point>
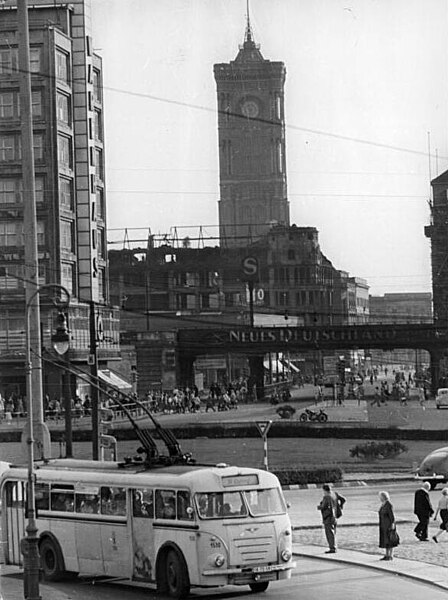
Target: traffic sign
<point>263,427</point>
<point>249,265</point>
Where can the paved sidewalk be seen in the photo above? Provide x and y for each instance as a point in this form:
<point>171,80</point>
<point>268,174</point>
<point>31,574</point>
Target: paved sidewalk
<point>11,587</point>
<point>427,573</point>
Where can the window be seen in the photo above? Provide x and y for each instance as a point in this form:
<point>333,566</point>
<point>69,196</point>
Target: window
<point>97,85</point>
<point>8,191</point>
<point>165,504</point>
<point>66,235</point>
<point>8,60</point>
<point>184,508</point>
<point>37,104</point>
<point>62,498</point>
<point>101,244</point>
<point>6,148</point>
<point>99,164</point>
<point>42,495</point>
<point>100,203</point>
<point>66,192</point>
<point>38,146</point>
<point>87,500</point>
<point>11,279</point>
<point>34,60</point>
<point>8,234</point>
<point>98,130</point>
<point>63,108</point>
<point>143,503</point>
<point>113,501</point>
<point>67,277</point>
<point>6,105</point>
<point>40,233</point>
<point>216,505</point>
<point>265,502</point>
<point>62,66</point>
<point>64,151</point>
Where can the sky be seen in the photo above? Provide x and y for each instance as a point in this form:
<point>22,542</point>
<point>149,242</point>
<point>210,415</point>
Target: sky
<point>366,108</point>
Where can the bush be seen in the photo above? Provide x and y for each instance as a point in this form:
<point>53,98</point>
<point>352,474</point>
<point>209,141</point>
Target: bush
<point>286,411</point>
<point>374,450</point>
<point>302,476</point>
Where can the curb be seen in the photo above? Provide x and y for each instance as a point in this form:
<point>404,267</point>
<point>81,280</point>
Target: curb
<point>353,483</point>
<point>376,567</point>
<point>344,525</point>
<point>318,486</point>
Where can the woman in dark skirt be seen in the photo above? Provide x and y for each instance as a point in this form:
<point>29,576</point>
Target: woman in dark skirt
<point>387,524</point>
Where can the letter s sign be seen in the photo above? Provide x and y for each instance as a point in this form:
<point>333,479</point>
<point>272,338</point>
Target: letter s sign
<point>250,268</point>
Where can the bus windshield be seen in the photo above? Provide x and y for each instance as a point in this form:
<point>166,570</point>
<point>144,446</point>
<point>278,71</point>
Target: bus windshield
<point>265,502</point>
<point>218,505</point>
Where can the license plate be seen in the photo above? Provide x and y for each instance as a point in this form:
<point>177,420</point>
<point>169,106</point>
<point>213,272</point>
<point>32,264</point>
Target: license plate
<point>266,569</point>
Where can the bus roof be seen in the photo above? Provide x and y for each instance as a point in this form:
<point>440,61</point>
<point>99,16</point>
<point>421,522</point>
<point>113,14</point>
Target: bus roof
<point>198,478</point>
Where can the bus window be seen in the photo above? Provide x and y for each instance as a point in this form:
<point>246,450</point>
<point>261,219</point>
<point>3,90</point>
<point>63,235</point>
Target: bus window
<point>143,503</point>
<point>183,504</point>
<point>62,498</point>
<point>165,504</point>
<point>216,505</point>
<point>15,494</point>
<point>42,495</point>
<point>87,503</point>
<point>113,501</point>
<point>265,502</point>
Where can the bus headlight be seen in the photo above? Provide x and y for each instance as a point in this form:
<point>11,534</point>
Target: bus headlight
<point>285,555</point>
<point>219,560</point>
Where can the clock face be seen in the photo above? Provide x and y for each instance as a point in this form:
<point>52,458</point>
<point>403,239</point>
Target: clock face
<point>250,109</point>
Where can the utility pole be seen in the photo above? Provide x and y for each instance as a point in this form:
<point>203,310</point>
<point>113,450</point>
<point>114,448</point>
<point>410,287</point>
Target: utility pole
<point>40,430</point>
<point>93,361</point>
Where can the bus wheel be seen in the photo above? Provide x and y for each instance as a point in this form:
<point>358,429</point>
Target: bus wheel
<point>51,560</point>
<point>177,580</point>
<point>259,586</point>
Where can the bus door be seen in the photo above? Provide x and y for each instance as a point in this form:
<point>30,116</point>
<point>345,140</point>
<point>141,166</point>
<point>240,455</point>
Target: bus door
<point>114,531</point>
<point>142,546</point>
<point>88,530</point>
<point>14,520</point>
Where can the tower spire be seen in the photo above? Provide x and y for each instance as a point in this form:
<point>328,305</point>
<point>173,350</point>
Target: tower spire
<point>248,36</point>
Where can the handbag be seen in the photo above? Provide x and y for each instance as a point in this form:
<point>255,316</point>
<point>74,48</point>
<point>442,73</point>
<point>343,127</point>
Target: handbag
<point>394,538</point>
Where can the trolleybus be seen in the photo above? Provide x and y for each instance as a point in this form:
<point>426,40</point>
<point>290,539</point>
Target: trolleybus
<point>174,526</point>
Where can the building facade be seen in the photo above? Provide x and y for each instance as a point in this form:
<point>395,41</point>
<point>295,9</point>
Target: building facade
<point>68,126</point>
<point>251,131</point>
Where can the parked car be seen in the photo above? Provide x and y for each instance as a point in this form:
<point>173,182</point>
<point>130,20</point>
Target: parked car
<point>434,467</point>
<point>442,398</point>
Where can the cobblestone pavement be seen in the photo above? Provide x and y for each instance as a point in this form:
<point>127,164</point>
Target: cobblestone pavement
<point>364,538</point>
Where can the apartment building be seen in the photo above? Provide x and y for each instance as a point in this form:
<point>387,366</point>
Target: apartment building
<point>68,128</point>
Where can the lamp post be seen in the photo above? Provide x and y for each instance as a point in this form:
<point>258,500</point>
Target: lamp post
<point>29,544</point>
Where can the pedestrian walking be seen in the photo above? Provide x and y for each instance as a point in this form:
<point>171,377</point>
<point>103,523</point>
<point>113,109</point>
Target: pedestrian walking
<point>424,510</point>
<point>331,508</point>
<point>442,508</point>
<point>388,534</point>
<point>376,398</point>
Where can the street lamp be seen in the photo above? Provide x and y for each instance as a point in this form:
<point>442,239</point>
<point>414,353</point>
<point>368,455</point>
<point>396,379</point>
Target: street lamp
<point>30,543</point>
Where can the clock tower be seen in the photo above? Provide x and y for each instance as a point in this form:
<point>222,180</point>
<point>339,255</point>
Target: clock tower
<point>251,131</point>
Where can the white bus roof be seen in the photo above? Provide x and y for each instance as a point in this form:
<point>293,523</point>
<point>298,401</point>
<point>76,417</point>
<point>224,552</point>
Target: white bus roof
<point>198,478</point>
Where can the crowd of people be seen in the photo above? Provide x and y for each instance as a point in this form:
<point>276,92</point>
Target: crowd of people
<point>332,504</point>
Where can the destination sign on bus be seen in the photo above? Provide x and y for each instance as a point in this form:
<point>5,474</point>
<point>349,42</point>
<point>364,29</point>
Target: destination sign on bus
<point>239,480</point>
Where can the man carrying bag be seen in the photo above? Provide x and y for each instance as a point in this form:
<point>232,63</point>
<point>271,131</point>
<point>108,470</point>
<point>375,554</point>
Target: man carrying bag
<point>331,509</point>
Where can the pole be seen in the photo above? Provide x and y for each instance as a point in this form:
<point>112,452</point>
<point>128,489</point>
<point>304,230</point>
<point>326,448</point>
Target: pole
<point>30,547</point>
<point>251,303</point>
<point>265,452</point>
<point>68,411</point>
<point>40,428</point>
<point>94,389</point>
